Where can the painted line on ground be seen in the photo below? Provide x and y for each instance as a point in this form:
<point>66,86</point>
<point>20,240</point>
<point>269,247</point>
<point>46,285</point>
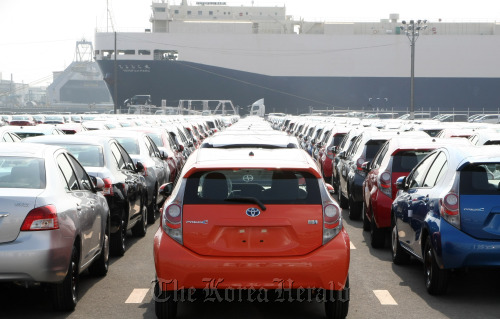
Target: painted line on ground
<point>352,245</point>
<point>385,297</point>
<point>137,295</point>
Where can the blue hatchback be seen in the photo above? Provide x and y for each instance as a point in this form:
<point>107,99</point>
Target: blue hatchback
<point>447,213</point>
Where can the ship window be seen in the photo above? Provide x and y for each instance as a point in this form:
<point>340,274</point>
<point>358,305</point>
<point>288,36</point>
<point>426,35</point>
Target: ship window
<point>96,52</point>
<point>107,54</point>
<point>160,9</point>
<point>176,11</point>
<point>144,52</point>
<point>126,52</point>
<point>189,13</point>
<point>200,13</point>
<point>210,13</point>
<point>171,55</point>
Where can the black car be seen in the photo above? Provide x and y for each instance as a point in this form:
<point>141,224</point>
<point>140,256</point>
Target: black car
<point>124,185</point>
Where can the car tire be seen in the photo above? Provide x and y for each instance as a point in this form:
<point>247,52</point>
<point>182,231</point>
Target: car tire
<point>366,222</point>
<point>140,228</point>
<point>338,306</point>
<point>354,208</point>
<point>343,201</point>
<point>118,240</point>
<point>399,255</point>
<point>101,265</point>
<point>65,294</point>
<point>153,207</point>
<point>165,305</point>
<point>436,279</point>
<point>377,235</point>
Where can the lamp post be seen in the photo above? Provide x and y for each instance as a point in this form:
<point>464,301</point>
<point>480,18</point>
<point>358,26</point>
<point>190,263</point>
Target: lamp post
<point>412,31</point>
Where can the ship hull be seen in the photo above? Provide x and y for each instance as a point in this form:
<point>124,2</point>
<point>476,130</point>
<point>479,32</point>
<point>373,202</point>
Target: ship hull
<point>181,80</point>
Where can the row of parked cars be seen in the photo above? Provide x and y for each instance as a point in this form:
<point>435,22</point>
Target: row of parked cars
<point>251,214</point>
<point>432,188</point>
<point>68,201</point>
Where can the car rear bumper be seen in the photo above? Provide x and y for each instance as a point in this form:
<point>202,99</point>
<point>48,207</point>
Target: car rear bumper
<point>381,207</point>
<point>179,268</point>
<point>41,256</point>
<point>461,250</point>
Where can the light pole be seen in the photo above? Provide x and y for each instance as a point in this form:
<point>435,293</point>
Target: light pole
<point>412,31</point>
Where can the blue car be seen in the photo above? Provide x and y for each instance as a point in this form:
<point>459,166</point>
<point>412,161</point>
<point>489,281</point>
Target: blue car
<point>447,213</point>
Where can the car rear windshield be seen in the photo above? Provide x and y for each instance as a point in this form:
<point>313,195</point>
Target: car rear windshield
<point>22,172</point>
<point>433,133</point>
<point>87,155</point>
<point>405,161</point>
<point>24,135</point>
<point>480,179</point>
<point>372,148</point>
<point>267,186</point>
<point>129,144</point>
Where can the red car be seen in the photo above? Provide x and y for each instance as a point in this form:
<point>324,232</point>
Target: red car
<point>396,158</point>
<point>251,221</point>
<point>22,120</point>
<point>328,151</point>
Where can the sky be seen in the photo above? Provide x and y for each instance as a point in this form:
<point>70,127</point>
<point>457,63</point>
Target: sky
<point>38,37</point>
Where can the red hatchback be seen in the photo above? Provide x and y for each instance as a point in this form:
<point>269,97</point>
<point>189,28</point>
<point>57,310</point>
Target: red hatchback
<point>396,158</point>
<point>252,222</point>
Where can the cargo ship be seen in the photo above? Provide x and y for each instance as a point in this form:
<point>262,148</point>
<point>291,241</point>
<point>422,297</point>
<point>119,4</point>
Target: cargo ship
<point>211,51</point>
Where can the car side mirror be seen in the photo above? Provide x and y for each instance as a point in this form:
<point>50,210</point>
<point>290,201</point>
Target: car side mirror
<point>166,189</point>
<point>341,154</point>
<point>401,183</point>
<point>365,167</point>
<point>139,167</point>
<point>330,189</point>
<point>98,183</point>
<point>181,148</point>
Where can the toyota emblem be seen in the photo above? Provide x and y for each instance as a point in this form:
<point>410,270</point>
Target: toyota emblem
<point>247,178</point>
<point>253,212</point>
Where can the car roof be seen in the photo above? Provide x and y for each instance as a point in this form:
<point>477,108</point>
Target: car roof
<point>69,139</point>
<point>415,143</point>
<point>26,149</point>
<point>287,159</point>
<point>242,141</point>
<point>113,133</point>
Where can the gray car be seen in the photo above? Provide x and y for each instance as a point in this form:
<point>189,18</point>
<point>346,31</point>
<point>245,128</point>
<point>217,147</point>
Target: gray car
<point>54,223</point>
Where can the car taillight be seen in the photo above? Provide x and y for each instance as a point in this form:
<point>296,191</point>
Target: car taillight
<point>449,209</point>
<point>108,187</point>
<point>329,153</point>
<point>384,183</point>
<point>359,167</point>
<point>41,218</point>
<point>171,219</point>
<point>145,171</point>
<point>332,222</point>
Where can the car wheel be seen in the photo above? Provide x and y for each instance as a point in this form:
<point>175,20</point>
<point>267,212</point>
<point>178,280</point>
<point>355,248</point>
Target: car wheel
<point>377,235</point>
<point>65,294</point>
<point>153,208</point>
<point>337,303</point>
<point>100,266</point>
<point>118,240</point>
<point>140,228</point>
<point>366,221</point>
<point>399,255</point>
<point>354,209</point>
<point>436,279</point>
<point>165,305</point>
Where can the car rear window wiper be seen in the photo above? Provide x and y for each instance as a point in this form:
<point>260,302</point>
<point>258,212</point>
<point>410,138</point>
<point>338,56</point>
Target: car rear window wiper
<point>247,200</point>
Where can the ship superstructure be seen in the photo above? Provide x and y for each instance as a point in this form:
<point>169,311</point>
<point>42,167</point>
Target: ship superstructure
<point>210,50</point>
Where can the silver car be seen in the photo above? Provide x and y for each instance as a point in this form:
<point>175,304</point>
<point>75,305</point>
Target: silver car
<point>54,223</point>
